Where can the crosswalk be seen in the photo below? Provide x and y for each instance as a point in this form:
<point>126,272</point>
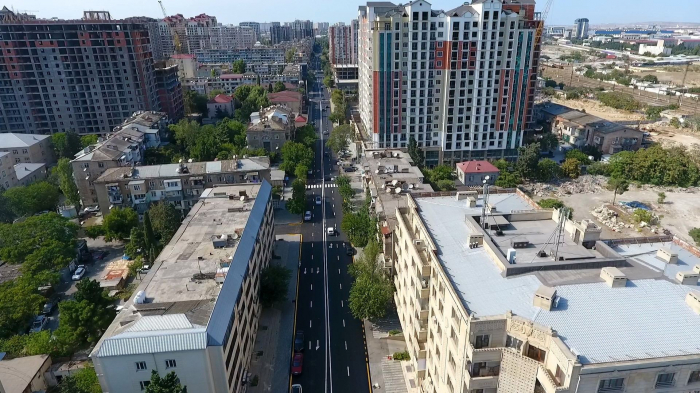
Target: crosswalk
<point>328,185</point>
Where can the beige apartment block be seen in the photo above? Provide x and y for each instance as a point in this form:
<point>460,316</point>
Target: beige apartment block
<point>196,312</point>
<point>28,148</point>
<point>271,128</point>
<point>178,184</point>
<point>8,177</point>
<point>489,302</point>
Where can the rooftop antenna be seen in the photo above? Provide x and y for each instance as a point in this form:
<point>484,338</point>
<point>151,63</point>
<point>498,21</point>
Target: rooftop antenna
<point>486,201</point>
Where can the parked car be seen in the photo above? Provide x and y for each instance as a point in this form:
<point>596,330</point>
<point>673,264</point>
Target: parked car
<point>325,132</point>
<point>99,255</point>
<point>307,216</point>
<point>92,209</point>
<point>318,200</point>
<point>299,341</point>
<point>349,169</point>
<point>49,306</point>
<point>297,363</point>
<point>296,388</point>
<point>39,324</point>
<point>79,273</point>
<point>349,251</point>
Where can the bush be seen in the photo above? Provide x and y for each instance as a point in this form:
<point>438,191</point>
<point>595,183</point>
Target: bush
<point>402,355</point>
<point>394,332</point>
<point>571,168</point>
<point>95,231</point>
<point>551,203</point>
<point>579,155</point>
<point>446,185</point>
<point>641,215</point>
<point>619,100</point>
<point>695,234</point>
<point>598,168</point>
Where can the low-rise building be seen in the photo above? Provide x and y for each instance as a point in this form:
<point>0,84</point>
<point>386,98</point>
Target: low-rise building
<point>581,129</point>
<point>154,126</point>
<point>186,65</point>
<point>30,173</point>
<point>123,148</point>
<point>196,312</point>
<point>178,184</point>
<point>474,173</point>
<point>292,99</point>
<point>220,106</point>
<point>658,48</point>
<point>8,177</point>
<point>497,295</point>
<point>271,128</point>
<point>25,374</point>
<point>27,147</point>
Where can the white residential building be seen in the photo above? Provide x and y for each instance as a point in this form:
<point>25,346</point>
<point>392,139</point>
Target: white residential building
<point>232,37</point>
<point>196,312</point>
<point>461,81</point>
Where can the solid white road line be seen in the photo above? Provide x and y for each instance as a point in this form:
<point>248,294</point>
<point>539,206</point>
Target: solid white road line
<point>348,370</point>
<point>346,345</point>
<point>311,304</point>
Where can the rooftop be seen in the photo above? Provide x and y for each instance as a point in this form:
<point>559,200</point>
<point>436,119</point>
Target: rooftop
<point>115,146</point>
<point>13,140</point>
<point>181,290</point>
<point>477,167</point>
<point>25,169</point>
<point>192,168</point>
<point>17,374</point>
<point>147,119</point>
<point>274,117</point>
<point>221,99</point>
<point>593,319</point>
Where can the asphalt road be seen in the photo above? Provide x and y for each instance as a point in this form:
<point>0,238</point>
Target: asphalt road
<point>335,351</point>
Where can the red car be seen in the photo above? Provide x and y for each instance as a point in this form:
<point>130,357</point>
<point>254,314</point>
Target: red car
<point>297,363</point>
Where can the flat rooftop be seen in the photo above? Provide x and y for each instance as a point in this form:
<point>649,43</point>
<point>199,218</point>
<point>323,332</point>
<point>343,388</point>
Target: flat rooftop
<point>646,319</point>
<point>182,280</point>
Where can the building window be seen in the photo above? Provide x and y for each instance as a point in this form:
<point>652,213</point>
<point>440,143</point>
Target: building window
<point>170,363</point>
<point>512,342</point>
<point>482,341</point>
<point>694,377</point>
<point>137,187</point>
<point>611,385</point>
<point>144,384</point>
<point>141,366</point>
<point>665,380</point>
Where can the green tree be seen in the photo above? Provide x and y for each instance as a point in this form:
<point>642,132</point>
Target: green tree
<point>118,223</point>
<point>289,55</point>
<point>551,203</point>
<point>83,381</point>
<point>306,135</point>
<point>528,157</point>
<point>550,83</point>
<point>357,227</point>
<point>446,185</point>
<point>547,170</point>
<point>618,185</point>
<point>415,152</point>
<point>508,180</point>
<point>438,174</point>
<point>340,137</point>
<point>137,243</point>
<point>94,231</point>
<point>66,144</point>
<point>371,292</point>
<point>328,81</point>
<point>19,240</point>
<point>297,204</point>
<point>674,122</point>
<point>64,172</point>
<point>88,314</point>
<point>549,142</point>
<point>571,168</point>
<point>301,172</point>
<point>661,198</point>
<point>19,303</point>
<point>695,234</point>
<point>238,67</point>
<point>650,78</point>
<point>165,221</point>
<point>269,88</point>
<point>33,199</point>
<point>215,92</point>
<point>279,86</point>
<point>251,99</point>
<point>168,384</point>
<point>87,140</point>
<point>294,154</point>
<point>195,102</point>
<point>579,155</point>
<point>274,282</point>
<point>167,154</point>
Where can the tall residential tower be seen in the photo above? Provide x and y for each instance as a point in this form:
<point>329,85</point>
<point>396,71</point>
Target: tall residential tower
<point>461,82</point>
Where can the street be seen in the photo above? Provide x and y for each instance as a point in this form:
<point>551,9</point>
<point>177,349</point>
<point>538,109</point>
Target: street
<point>334,346</point>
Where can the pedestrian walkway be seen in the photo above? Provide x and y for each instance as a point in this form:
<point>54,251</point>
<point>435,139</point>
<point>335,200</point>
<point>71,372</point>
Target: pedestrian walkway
<point>328,185</point>
<point>394,381</point>
<point>273,343</point>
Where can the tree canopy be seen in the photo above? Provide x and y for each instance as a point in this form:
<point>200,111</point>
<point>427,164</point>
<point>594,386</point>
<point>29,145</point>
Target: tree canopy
<point>371,292</point>
<point>83,381</point>
<point>279,86</point>
<point>88,314</point>
<point>238,67</point>
<point>297,204</point>
<point>274,281</point>
<point>339,137</point>
<point>32,199</point>
<point>165,220</point>
<point>251,99</point>
<point>294,154</point>
<point>168,384</point>
<point>66,144</point>
<point>64,172</point>
<point>195,102</point>
<point>118,223</point>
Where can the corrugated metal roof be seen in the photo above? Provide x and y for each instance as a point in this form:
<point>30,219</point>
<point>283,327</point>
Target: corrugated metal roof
<point>133,343</point>
<point>161,322</point>
<point>228,296</point>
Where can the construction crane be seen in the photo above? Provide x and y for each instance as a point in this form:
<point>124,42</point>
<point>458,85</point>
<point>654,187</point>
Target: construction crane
<point>540,26</point>
<point>173,32</point>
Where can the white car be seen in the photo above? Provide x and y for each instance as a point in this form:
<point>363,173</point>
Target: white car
<point>307,216</point>
<point>79,273</point>
<point>39,324</point>
<point>92,209</point>
<point>330,231</point>
<point>296,388</point>
<point>318,200</point>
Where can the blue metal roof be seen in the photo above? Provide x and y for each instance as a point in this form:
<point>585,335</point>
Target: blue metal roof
<point>230,291</point>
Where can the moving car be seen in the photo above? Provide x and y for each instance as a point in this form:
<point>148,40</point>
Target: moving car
<point>39,324</point>
<point>79,273</point>
<point>299,341</point>
<point>318,200</point>
<point>307,216</point>
<point>331,231</point>
<point>325,132</point>
<point>92,209</point>
<point>296,388</point>
<point>297,363</point>
<point>349,251</point>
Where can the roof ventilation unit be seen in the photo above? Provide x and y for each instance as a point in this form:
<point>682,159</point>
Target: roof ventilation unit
<point>667,255</point>
<point>544,297</point>
<point>693,300</point>
<point>613,277</point>
<point>687,278</point>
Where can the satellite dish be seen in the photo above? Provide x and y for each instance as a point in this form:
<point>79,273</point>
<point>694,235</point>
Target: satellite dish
<point>234,236</point>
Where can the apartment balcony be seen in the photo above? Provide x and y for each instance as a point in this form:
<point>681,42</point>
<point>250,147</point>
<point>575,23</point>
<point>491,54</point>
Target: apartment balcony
<point>421,330</point>
<point>482,377</point>
<point>173,195</point>
<point>116,199</point>
<point>137,201</point>
<point>483,354</point>
<point>547,382</point>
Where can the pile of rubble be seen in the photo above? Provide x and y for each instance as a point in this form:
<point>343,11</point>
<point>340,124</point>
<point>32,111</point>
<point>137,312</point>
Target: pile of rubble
<point>609,218</point>
<point>587,184</point>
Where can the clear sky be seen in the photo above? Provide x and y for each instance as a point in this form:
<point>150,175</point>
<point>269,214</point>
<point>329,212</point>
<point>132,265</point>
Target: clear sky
<point>234,11</point>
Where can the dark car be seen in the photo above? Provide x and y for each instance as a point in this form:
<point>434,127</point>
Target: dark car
<point>349,251</point>
<point>297,363</point>
<point>299,341</point>
<point>349,169</point>
<point>99,255</point>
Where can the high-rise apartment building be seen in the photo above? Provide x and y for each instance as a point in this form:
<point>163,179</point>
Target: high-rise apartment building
<point>232,37</point>
<point>461,82</point>
<point>279,34</point>
<point>581,28</point>
<point>169,91</point>
<point>342,43</point>
<point>253,25</point>
<point>497,295</point>
<point>301,29</point>
<point>197,311</point>
<point>190,34</point>
<point>86,75</point>
<point>321,28</point>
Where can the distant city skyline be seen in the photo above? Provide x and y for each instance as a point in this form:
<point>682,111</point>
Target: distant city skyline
<point>563,12</point>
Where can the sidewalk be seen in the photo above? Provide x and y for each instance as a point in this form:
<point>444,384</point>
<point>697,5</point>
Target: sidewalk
<point>387,375</point>
<point>282,215</point>
<point>273,344</point>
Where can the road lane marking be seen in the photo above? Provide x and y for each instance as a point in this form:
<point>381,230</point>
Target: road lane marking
<point>341,286</point>
<point>317,345</point>
<point>348,370</point>
<point>338,257</point>
<point>343,323</point>
<point>341,303</point>
<point>309,324</point>
<point>312,287</point>
<point>311,304</point>
<point>312,256</point>
<point>346,345</point>
<point>309,345</point>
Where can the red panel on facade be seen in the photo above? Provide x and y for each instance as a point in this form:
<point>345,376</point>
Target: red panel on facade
<point>444,58</point>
